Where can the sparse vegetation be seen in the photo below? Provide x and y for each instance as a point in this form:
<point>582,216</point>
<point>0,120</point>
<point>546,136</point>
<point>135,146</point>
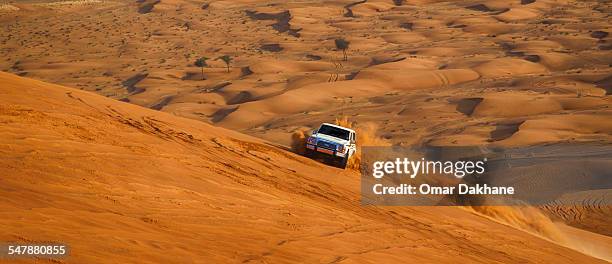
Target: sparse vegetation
<point>146,6</point>
<point>342,44</point>
<point>227,59</point>
<point>201,62</point>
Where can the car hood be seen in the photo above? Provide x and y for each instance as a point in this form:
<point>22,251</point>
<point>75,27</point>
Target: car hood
<point>330,138</point>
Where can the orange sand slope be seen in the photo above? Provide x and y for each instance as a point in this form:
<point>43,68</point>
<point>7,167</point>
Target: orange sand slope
<point>122,183</point>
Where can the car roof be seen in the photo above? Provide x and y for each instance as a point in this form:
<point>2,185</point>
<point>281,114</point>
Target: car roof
<point>337,126</point>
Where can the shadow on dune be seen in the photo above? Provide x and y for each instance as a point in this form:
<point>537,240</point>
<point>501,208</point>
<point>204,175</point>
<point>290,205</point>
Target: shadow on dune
<point>467,105</point>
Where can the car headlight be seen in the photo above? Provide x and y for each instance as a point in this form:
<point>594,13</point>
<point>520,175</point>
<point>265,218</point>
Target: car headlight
<point>311,140</point>
<point>340,148</point>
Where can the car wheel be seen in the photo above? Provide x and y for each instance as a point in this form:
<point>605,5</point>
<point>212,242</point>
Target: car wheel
<point>343,162</point>
<point>309,153</point>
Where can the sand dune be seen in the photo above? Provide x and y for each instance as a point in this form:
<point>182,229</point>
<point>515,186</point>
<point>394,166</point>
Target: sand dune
<point>120,182</point>
<point>492,73</point>
<point>585,210</point>
<point>445,45</point>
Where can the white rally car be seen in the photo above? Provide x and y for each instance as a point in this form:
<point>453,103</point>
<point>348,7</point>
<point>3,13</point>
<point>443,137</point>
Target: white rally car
<point>333,142</point>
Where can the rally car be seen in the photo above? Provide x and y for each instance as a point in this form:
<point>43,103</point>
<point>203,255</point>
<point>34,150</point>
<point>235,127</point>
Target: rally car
<point>334,143</point>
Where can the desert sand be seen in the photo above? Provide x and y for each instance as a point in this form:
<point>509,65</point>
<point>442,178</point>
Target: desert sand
<point>124,183</point>
<point>411,64</point>
<point>146,159</point>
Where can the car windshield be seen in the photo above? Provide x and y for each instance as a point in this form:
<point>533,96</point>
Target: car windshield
<point>334,132</point>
